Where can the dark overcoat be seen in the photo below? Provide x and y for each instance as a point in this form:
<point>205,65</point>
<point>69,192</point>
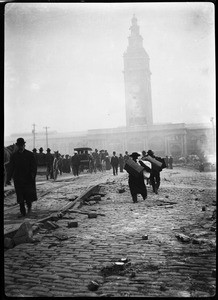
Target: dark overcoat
<point>23,172</point>
<point>114,161</point>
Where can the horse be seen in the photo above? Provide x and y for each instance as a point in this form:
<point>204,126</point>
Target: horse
<point>8,151</point>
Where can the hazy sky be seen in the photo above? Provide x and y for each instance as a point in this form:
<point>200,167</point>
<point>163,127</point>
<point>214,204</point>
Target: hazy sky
<point>64,63</point>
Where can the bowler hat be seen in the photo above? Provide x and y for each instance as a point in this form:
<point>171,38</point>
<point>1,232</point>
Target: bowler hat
<point>20,142</point>
<point>34,149</point>
<point>135,154</point>
<point>48,150</point>
<point>41,149</point>
<point>150,152</point>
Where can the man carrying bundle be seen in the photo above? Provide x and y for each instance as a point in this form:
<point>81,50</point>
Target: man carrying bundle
<point>136,178</point>
<point>157,165</point>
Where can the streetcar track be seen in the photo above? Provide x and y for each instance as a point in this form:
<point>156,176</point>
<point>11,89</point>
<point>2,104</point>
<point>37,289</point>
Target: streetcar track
<point>50,190</point>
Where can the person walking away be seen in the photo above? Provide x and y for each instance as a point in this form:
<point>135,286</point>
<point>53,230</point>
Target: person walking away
<point>67,161</point>
<point>121,162</point>
<point>155,173</point>
<point>75,164</point>
<point>60,163</point>
<point>114,163</point>
<point>137,184</point>
<point>35,155</point>
<point>23,172</point>
<point>49,158</point>
<point>170,162</point>
<point>41,158</point>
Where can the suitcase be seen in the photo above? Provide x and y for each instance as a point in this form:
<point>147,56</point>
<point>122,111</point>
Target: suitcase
<point>133,168</point>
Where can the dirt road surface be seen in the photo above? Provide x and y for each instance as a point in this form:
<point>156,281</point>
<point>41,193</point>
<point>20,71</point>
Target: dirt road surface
<point>164,246</point>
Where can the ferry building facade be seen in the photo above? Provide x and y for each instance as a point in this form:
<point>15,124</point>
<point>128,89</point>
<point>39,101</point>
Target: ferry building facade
<point>140,133</point>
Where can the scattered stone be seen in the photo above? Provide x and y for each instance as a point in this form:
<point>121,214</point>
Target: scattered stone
<point>91,202</point>
<point>183,238</point>
<point>95,198</point>
<point>184,294</point>
<point>124,260</point>
<point>50,225</point>
<point>168,206</point>
<point>60,215</point>
<point>195,241</point>
<point>8,243</point>
<point>73,198</point>
<point>24,234</point>
<point>60,236</point>
<point>166,196</point>
<point>203,208</point>
<point>163,288</point>
<point>54,217</point>
<point>214,272</point>
<point>212,228</point>
<point>119,265</point>
<point>145,237</point>
<point>132,275</point>
<point>92,215</point>
<point>93,285</point>
<point>121,190</point>
<point>72,224</point>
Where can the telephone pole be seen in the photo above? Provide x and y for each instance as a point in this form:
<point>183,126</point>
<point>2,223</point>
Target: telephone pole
<point>34,135</point>
<point>46,133</point>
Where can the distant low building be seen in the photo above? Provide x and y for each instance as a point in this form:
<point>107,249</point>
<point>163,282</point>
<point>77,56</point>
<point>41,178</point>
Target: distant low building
<point>178,140</point>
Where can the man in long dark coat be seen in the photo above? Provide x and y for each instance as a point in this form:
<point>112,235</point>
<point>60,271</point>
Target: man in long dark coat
<point>23,172</point>
<point>115,163</point>
<point>137,184</point>
<point>49,158</point>
<point>75,160</point>
<point>155,173</point>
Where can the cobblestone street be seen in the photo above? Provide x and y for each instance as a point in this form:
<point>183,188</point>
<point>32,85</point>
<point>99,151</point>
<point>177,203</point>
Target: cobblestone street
<point>164,246</point>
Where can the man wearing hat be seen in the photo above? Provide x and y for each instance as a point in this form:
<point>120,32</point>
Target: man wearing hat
<point>155,173</point>
<point>49,158</point>
<point>23,172</point>
<point>115,163</point>
<point>41,157</point>
<point>137,184</point>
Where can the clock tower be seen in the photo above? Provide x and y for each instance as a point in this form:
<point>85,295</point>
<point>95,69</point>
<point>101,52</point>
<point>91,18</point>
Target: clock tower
<point>137,80</point>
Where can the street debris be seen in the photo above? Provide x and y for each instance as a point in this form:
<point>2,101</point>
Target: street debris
<point>119,267</point>
<point>145,237</point>
<point>122,190</point>
<point>214,273</point>
<point>60,236</point>
<point>24,234</point>
<point>73,198</point>
<point>8,243</point>
<point>72,224</point>
<point>84,213</point>
<point>92,215</point>
<point>50,225</point>
<point>93,285</point>
<point>182,237</point>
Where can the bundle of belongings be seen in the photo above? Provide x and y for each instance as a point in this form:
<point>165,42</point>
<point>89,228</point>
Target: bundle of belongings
<point>144,165</point>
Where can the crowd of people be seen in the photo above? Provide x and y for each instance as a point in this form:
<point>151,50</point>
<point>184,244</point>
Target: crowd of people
<point>25,164</point>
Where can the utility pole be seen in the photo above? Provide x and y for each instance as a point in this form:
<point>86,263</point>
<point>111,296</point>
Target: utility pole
<point>34,135</point>
<point>46,133</point>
